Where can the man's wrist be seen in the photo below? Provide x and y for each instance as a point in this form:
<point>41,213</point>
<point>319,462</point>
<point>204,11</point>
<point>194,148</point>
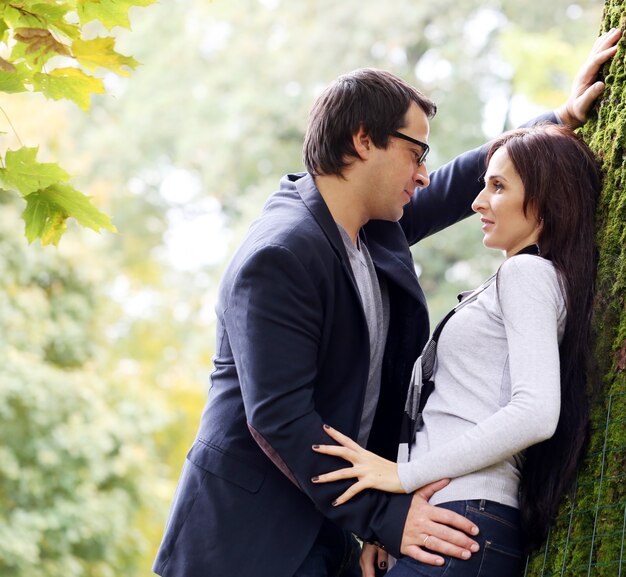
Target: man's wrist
<point>567,118</point>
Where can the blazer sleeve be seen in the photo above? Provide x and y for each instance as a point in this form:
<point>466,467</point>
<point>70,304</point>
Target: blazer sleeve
<point>275,320</point>
<point>452,189</point>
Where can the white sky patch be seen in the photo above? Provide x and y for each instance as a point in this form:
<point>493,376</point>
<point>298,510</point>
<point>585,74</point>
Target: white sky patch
<point>138,304</point>
<point>270,4</point>
<point>432,67</point>
<point>213,37</point>
<point>198,237</point>
<point>293,89</point>
<point>179,186</point>
<point>494,114</point>
<point>397,56</point>
<point>523,110</point>
<point>480,25</point>
<point>574,12</point>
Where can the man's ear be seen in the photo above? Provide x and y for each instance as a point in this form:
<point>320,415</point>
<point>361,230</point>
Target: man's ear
<point>362,143</point>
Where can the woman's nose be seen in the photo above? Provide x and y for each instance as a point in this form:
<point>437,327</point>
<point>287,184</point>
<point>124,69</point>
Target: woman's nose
<point>479,202</point>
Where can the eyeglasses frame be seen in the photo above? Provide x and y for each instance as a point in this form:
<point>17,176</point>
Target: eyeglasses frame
<point>423,145</point>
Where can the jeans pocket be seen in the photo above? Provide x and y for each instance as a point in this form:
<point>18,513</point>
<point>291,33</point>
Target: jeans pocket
<point>499,560</point>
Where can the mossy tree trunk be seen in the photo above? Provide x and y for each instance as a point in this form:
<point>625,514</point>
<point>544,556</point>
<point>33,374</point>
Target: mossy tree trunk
<point>588,537</point>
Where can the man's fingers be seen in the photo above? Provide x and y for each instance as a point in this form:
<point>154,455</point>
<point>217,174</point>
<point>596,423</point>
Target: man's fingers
<point>585,101</point>
<point>607,38</point>
<point>368,560</point>
<point>424,556</point>
<point>449,541</point>
<point>427,491</point>
<point>451,520</point>
<point>382,558</point>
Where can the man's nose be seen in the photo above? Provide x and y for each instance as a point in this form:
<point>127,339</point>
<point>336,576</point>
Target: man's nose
<point>421,178</point>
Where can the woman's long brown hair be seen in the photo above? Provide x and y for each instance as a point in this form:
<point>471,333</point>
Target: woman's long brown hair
<point>562,183</point>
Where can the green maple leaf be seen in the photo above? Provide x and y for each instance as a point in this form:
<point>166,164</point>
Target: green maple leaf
<point>47,211</point>
<point>110,13</point>
<point>11,82</point>
<point>69,83</point>
<point>100,53</point>
<point>16,18</point>
<point>24,174</point>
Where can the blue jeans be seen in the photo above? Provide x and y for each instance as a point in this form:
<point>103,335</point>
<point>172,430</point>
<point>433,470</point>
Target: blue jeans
<point>335,553</point>
<point>500,543</point>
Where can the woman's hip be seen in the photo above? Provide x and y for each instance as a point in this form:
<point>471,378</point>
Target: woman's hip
<point>500,543</point>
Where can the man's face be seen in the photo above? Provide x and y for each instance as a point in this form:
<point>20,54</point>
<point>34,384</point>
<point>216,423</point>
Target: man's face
<point>394,172</point>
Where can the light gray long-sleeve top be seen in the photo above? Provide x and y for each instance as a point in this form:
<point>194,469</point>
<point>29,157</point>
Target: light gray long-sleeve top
<point>497,387</point>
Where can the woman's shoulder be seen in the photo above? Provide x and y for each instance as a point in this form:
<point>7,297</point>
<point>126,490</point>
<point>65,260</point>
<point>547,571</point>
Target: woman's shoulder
<point>527,273</point>
<point>528,265</point>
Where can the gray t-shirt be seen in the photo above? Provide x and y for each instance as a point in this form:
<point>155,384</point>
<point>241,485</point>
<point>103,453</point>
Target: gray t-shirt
<point>376,308</point>
<point>497,387</point>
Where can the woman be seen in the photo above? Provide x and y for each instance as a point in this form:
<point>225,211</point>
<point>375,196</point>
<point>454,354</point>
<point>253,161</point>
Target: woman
<point>508,418</point>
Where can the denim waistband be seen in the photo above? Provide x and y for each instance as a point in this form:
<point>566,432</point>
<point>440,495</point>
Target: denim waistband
<point>504,511</point>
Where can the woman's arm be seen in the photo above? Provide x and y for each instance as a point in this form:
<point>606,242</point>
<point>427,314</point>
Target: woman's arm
<point>531,303</point>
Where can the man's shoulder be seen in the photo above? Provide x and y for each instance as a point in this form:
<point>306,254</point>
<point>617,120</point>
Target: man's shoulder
<point>288,223</point>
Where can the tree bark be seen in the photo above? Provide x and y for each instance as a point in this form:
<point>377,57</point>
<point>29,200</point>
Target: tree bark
<point>588,536</point>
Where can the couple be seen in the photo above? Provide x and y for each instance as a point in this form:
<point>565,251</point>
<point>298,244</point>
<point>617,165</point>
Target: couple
<point>321,317</point>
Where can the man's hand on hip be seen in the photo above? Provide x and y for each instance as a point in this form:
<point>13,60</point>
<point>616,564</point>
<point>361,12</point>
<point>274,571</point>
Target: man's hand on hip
<point>429,530</point>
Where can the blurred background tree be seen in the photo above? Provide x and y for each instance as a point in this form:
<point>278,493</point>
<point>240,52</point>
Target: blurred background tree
<point>182,155</point>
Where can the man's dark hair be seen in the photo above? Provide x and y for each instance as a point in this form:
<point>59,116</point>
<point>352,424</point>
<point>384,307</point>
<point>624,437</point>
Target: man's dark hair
<point>376,100</point>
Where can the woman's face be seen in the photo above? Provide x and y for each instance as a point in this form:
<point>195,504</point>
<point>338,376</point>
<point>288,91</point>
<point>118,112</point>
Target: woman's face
<point>500,205</point>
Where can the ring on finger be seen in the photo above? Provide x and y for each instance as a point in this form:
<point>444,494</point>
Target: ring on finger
<point>426,540</point>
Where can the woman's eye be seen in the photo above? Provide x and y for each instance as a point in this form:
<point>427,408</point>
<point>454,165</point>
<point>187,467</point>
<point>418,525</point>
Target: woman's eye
<point>497,186</point>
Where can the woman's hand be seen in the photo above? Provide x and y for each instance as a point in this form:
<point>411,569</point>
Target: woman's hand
<point>372,471</point>
<point>372,557</point>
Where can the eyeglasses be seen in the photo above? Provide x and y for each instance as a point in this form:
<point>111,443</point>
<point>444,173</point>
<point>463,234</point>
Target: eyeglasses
<point>425,148</point>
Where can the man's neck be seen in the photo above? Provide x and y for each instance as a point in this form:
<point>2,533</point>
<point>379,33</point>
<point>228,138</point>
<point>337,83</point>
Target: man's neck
<point>343,202</point>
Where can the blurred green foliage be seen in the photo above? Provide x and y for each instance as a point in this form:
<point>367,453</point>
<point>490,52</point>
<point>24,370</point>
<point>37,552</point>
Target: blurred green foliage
<point>108,339</point>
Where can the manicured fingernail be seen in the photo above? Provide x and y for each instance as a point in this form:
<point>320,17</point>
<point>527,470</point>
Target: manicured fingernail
<point>439,561</point>
<point>475,530</point>
<point>326,426</point>
<point>316,447</point>
<point>466,554</point>
<point>475,548</point>
<point>314,479</point>
<point>383,565</point>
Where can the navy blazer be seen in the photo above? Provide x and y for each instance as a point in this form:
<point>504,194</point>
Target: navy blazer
<point>292,353</point>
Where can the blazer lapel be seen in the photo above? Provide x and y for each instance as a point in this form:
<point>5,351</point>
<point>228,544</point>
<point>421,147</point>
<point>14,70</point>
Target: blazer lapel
<point>317,207</point>
<point>390,254</point>
<point>389,250</point>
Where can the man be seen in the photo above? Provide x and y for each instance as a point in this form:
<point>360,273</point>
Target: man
<point>320,318</point>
